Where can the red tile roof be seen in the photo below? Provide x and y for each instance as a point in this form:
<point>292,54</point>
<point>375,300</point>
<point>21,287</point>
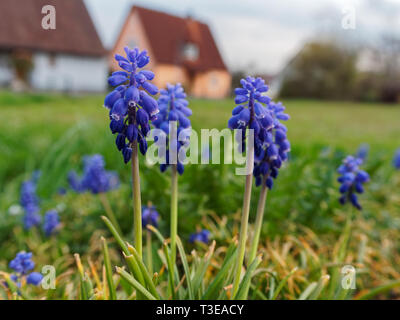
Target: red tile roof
<point>167,35</point>
<point>21,27</point>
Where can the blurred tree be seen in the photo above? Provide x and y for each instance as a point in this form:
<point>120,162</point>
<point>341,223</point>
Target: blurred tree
<point>320,70</point>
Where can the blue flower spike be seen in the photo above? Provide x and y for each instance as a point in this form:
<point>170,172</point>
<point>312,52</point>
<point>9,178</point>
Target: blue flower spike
<point>130,104</point>
<point>150,216</point>
<point>95,178</point>
<point>30,202</point>
<point>51,222</point>
<point>200,236</point>
<point>271,146</point>
<point>22,264</point>
<point>174,107</point>
<point>396,160</point>
<point>351,180</point>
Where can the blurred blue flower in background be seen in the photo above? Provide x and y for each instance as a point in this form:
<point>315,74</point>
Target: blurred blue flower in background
<point>352,179</point>
<point>396,160</point>
<point>174,107</point>
<point>130,106</point>
<point>150,216</point>
<point>51,222</point>
<point>200,236</point>
<point>30,202</point>
<point>22,264</point>
<point>34,278</point>
<point>94,178</point>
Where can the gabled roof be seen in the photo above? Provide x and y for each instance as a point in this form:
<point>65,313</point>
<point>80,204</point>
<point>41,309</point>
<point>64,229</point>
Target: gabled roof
<point>167,34</point>
<point>21,27</point>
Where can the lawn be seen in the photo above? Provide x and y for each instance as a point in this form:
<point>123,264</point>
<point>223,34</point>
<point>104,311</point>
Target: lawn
<point>52,133</point>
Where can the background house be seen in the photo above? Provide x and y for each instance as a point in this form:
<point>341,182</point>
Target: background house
<point>181,50</point>
<point>69,58</point>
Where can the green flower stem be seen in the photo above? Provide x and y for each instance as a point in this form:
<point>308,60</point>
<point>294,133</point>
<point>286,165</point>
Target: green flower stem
<point>137,202</point>
<point>174,212</point>
<point>110,214</point>
<point>259,221</point>
<point>244,221</point>
<point>149,254</point>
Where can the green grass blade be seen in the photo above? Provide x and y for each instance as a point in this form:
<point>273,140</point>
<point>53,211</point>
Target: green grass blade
<point>132,281</point>
<point>282,284</point>
<point>217,284</point>
<point>185,267</point>
<point>201,270</point>
<point>320,286</point>
<point>132,263</point>
<point>307,291</point>
<point>107,263</point>
<point>381,289</point>
<point>244,285</point>
<point>145,272</point>
<point>170,274</point>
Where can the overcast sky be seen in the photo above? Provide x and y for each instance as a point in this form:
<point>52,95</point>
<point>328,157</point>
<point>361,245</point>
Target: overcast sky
<point>260,35</point>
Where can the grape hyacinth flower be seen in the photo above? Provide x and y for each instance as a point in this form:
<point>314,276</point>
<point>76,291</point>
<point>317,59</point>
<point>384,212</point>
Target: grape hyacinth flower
<point>51,222</point>
<point>30,202</point>
<point>396,160</point>
<point>22,264</point>
<point>200,236</point>
<point>271,151</point>
<point>174,123</point>
<point>173,108</point>
<point>95,178</point>
<point>130,105</point>
<point>250,113</point>
<point>150,216</point>
<point>352,179</point>
<point>272,147</point>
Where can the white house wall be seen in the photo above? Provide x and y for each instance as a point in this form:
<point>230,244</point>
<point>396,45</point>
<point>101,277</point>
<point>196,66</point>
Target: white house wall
<point>61,72</point>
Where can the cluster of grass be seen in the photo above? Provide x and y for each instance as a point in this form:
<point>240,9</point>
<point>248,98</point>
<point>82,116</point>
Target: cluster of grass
<point>304,222</point>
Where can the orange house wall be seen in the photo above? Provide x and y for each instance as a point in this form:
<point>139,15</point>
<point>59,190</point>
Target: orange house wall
<point>213,84</point>
<point>132,35</point>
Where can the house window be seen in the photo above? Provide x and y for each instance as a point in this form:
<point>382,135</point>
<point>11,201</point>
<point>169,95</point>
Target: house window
<point>190,51</point>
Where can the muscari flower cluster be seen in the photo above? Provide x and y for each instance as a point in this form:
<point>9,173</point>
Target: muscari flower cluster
<point>396,160</point>
<point>173,108</point>
<point>94,178</point>
<point>352,179</point>
<point>51,222</point>
<point>30,202</point>
<point>150,216</point>
<point>22,264</point>
<point>130,106</point>
<point>200,236</point>
<point>256,111</point>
